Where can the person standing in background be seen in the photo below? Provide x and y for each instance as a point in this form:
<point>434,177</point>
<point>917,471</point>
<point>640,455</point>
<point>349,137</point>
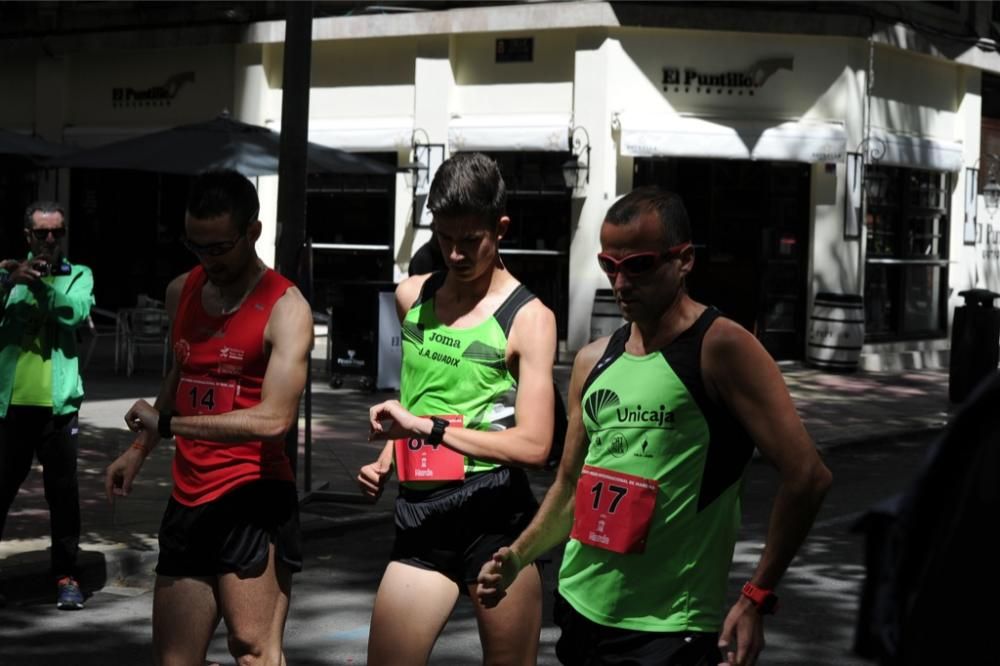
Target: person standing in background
<point>43,300</point>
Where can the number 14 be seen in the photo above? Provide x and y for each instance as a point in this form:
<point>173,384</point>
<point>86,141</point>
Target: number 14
<point>207,398</point>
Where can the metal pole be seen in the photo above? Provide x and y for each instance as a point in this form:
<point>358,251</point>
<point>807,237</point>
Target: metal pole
<point>292,165</point>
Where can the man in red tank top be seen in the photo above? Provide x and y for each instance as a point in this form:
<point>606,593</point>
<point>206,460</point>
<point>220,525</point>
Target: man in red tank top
<point>229,540</point>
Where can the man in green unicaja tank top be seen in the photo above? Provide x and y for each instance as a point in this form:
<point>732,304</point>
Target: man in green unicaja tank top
<point>476,406</point>
<point>664,415</point>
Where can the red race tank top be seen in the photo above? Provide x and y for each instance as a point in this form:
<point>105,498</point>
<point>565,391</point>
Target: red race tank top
<point>222,362</point>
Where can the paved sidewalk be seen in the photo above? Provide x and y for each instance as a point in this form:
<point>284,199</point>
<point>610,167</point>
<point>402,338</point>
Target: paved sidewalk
<point>119,541</point>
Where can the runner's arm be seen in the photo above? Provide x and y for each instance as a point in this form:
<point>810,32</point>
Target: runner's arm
<point>168,387</point>
<point>289,332</point>
<point>122,472</point>
<point>373,476</point>
<point>743,376</point>
<point>747,380</point>
<point>554,521</point>
<point>533,340</point>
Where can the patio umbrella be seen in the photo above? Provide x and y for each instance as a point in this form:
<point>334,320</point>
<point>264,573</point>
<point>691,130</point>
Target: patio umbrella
<point>221,143</point>
<point>25,145</point>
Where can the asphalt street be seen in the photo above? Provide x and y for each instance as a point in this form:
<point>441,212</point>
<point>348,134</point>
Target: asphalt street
<point>332,598</point>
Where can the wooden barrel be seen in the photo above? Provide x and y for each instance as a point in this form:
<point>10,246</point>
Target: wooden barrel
<point>836,331</point>
<point>605,318</point>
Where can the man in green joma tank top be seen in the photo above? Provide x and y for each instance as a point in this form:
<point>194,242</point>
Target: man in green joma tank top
<point>664,416</point>
<point>476,406</point>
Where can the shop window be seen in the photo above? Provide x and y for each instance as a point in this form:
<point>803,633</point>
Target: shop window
<point>350,221</point>
<point>906,268</point>
<point>127,227</point>
<point>536,247</point>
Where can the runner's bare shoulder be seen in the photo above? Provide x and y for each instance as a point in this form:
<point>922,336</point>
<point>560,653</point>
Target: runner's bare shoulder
<point>588,356</point>
<point>408,291</point>
<point>534,324</point>
<point>293,306</point>
<point>173,295</point>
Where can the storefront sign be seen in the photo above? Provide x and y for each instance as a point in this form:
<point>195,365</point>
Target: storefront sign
<point>745,82</point>
<point>161,95</point>
<point>515,49</point>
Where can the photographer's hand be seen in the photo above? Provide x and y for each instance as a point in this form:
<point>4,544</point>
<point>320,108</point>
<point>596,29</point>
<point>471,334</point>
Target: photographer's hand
<point>25,273</point>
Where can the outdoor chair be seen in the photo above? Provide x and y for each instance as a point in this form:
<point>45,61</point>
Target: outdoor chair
<point>145,327</point>
<point>101,324</point>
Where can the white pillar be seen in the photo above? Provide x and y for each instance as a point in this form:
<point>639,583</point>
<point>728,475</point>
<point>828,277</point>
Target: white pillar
<point>252,104</point>
<point>52,88</point>
<point>593,97</point>
<point>433,83</point>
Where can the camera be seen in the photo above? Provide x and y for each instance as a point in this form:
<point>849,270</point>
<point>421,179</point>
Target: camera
<point>46,269</point>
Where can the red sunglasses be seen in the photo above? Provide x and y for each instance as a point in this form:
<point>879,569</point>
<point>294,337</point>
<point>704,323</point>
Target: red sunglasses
<point>637,264</point>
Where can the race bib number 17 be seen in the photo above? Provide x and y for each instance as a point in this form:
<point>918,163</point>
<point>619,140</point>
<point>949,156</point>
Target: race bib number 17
<point>613,510</point>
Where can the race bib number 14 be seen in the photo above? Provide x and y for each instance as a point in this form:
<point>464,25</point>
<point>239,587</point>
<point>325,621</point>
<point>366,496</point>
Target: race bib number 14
<point>197,396</point>
<point>613,510</point>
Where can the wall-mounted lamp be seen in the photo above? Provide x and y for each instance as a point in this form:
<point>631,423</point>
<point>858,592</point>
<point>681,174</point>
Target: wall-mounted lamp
<point>991,195</point>
<point>576,170</point>
<point>863,183</point>
<point>876,183</point>
<point>415,173</point>
<point>419,174</point>
<point>991,191</point>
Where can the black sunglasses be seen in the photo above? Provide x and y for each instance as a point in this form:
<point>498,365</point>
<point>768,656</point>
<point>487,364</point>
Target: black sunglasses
<point>42,234</point>
<point>211,249</point>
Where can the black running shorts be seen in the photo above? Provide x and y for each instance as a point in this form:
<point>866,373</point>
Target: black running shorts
<point>232,534</point>
<point>455,529</point>
<point>586,643</point>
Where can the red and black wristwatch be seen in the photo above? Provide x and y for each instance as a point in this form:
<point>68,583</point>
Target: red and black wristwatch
<point>766,601</point>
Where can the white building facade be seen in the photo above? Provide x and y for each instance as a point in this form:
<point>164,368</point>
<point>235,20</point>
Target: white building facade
<point>761,122</point>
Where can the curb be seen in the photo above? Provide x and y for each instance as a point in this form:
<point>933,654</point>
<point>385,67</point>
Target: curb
<point>933,428</point>
<point>29,582</point>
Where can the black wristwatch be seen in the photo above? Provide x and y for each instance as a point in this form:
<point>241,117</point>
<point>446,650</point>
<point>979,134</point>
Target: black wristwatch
<point>437,432</point>
<point>163,425</point>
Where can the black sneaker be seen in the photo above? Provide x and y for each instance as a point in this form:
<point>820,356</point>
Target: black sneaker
<point>70,597</point>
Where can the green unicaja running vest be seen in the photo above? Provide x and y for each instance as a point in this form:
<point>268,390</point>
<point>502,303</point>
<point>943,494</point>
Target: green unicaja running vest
<point>459,370</point>
<point>649,416</point>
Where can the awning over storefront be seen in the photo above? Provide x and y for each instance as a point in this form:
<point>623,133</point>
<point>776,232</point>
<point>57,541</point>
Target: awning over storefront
<point>363,135</point>
<point>650,135</point>
<point>514,132</point>
<point>916,152</point>
<point>91,137</point>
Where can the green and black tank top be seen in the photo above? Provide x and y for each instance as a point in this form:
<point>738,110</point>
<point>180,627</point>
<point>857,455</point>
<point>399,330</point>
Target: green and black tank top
<point>459,370</point>
<point>650,416</point>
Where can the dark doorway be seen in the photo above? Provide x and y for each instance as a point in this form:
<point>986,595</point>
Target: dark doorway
<point>18,187</point>
<point>350,221</point>
<point>127,226</point>
<point>536,246</point>
<point>751,229</point>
